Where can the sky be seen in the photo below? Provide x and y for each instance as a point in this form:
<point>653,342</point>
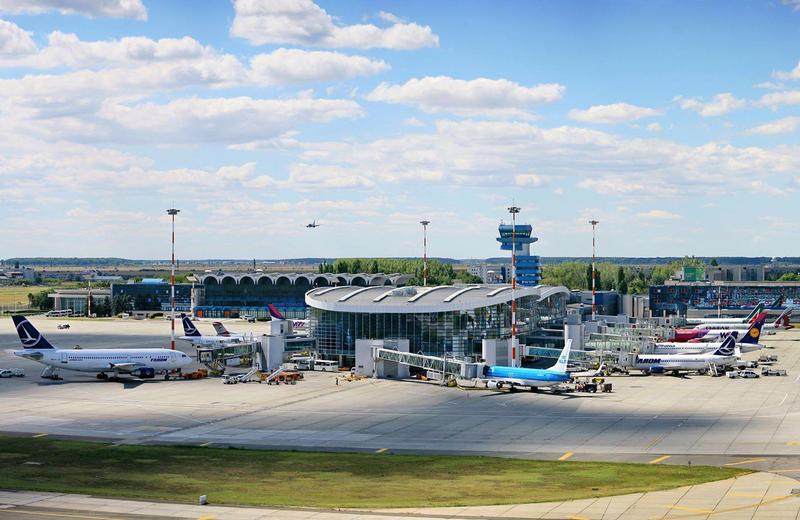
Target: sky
<point>675,124</point>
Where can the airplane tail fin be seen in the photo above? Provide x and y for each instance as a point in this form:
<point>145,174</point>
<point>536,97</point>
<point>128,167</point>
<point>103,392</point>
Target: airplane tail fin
<point>781,320</point>
<point>30,337</point>
<point>220,328</point>
<point>754,332</point>
<point>275,313</point>
<point>787,320</point>
<point>755,312</point>
<point>563,359</point>
<point>189,329</point>
<point>777,303</point>
<point>727,348</point>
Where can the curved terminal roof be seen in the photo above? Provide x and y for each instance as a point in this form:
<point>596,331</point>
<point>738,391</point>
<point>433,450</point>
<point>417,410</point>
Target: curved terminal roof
<point>400,300</point>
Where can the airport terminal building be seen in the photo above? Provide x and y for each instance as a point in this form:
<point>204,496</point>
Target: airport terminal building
<point>447,320</point>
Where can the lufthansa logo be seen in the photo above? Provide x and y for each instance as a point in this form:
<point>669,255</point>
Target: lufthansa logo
<point>754,333</point>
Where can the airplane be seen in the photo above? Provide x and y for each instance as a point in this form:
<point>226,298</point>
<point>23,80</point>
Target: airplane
<point>748,343</point>
<point>782,322</point>
<point>298,326</point>
<point>313,224</point>
<point>533,378</point>
<point>222,331</point>
<point>193,335</point>
<point>712,332</point>
<point>143,363</point>
<point>727,353</point>
<point>757,310</point>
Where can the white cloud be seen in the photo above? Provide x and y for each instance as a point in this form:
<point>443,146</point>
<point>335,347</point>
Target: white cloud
<point>780,126</point>
<point>481,96</point>
<point>494,152</point>
<point>302,22</point>
<point>719,105</point>
<point>791,75</point>
<point>769,85</point>
<point>794,4</point>
<point>530,180</point>
<point>654,127</point>
<point>285,66</point>
<point>389,17</point>
<point>786,97</point>
<point>93,8</point>
<point>223,120</point>
<point>658,214</point>
<point>14,41</point>
<point>412,121</point>
<point>612,114</point>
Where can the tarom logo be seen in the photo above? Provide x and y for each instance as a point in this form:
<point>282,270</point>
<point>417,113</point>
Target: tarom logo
<point>28,340</point>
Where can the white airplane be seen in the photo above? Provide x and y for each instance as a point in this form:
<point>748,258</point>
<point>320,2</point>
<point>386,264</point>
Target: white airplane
<point>712,339</point>
<point>782,322</point>
<point>222,331</point>
<point>726,354</point>
<point>698,321</point>
<point>193,335</point>
<point>142,363</point>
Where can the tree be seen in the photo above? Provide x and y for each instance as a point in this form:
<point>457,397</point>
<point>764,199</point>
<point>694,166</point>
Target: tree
<point>713,262</point>
<point>121,303</point>
<point>622,282</point>
<point>40,300</point>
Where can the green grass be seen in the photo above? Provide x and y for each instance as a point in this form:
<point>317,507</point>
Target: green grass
<point>12,294</point>
<point>328,480</point>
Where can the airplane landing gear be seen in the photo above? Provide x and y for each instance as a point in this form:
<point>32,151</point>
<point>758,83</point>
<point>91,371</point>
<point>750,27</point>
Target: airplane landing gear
<point>51,373</point>
<point>102,376</point>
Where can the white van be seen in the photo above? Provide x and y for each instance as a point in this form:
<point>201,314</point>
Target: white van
<point>323,365</point>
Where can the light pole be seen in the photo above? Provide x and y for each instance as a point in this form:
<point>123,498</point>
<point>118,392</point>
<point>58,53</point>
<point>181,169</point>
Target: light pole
<point>424,251</point>
<point>594,270</point>
<point>172,212</point>
<point>513,210</point>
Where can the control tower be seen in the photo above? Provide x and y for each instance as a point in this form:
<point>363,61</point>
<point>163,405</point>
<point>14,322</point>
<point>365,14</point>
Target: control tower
<point>529,272</point>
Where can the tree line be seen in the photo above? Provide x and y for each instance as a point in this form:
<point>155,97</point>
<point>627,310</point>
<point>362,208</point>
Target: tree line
<point>439,273</point>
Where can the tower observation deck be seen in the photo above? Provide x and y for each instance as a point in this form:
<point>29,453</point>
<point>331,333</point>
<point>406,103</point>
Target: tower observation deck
<point>529,272</point>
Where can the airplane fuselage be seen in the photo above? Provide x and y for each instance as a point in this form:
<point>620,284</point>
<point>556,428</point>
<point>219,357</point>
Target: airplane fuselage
<point>532,377</point>
<point>105,360</point>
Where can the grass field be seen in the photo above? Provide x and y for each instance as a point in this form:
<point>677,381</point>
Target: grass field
<point>329,480</point>
<point>12,294</point>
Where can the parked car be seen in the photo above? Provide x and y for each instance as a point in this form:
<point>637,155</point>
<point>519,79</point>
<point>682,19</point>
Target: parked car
<point>249,318</point>
<point>61,326</point>
<point>4,372</point>
<point>745,374</point>
<point>18,372</point>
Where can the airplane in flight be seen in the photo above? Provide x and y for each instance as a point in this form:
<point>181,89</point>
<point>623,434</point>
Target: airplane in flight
<point>533,378</point>
<point>313,224</point>
<point>143,363</point>
<point>192,334</point>
<point>747,343</point>
<point>727,353</point>
<point>756,311</point>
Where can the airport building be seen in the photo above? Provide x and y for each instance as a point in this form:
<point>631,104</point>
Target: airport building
<point>234,294</point>
<point>677,297</point>
<point>529,272</point>
<point>447,320</point>
<point>77,299</point>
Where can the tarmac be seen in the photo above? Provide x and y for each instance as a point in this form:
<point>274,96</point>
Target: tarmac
<point>647,419</point>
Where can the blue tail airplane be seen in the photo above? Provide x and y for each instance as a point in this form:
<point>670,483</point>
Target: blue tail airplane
<point>533,378</point>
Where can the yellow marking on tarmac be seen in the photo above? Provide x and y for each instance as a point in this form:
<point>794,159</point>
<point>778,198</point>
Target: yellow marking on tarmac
<point>566,455</point>
<point>796,470</point>
<point>748,461</point>
<point>207,517</point>
<point>692,509</point>
<point>205,444</point>
<point>730,509</point>
<point>381,450</point>
<point>57,515</point>
<point>660,459</point>
<point>39,435</point>
<point>576,517</point>
<point>793,443</point>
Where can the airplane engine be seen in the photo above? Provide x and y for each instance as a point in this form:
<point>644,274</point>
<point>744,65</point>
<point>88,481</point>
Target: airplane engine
<point>145,373</point>
<point>494,385</point>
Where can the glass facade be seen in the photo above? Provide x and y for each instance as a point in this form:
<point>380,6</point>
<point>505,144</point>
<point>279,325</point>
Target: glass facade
<point>225,300</point>
<point>454,333</point>
<point>155,296</point>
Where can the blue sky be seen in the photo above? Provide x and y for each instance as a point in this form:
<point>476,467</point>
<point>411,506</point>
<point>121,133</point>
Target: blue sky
<point>673,123</point>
